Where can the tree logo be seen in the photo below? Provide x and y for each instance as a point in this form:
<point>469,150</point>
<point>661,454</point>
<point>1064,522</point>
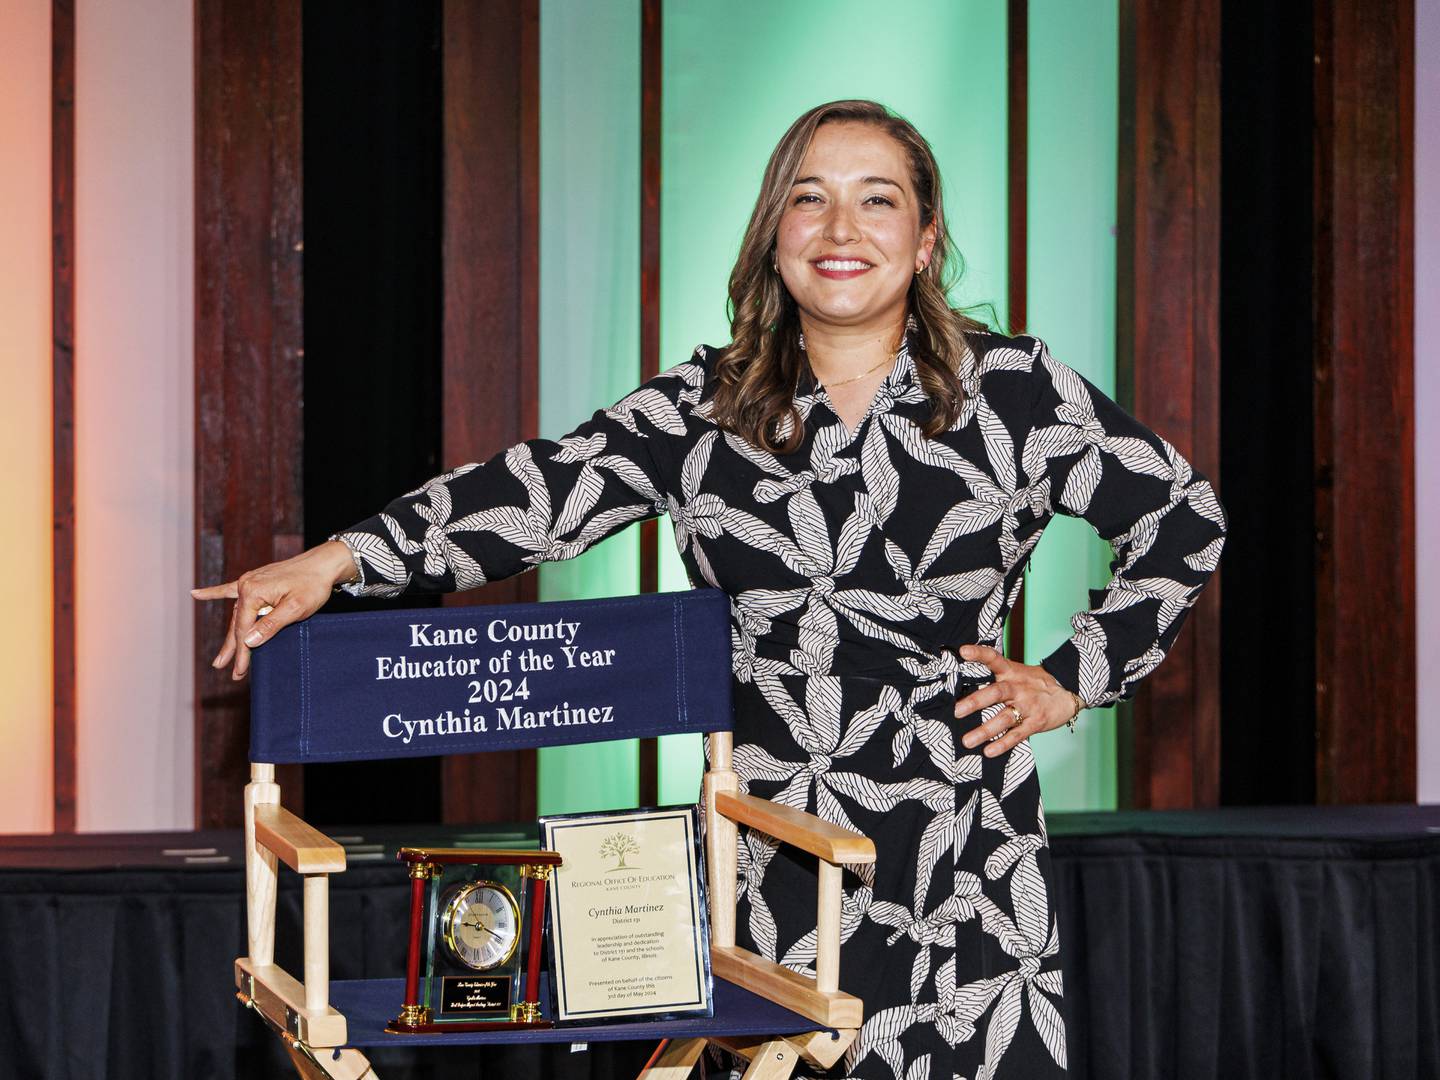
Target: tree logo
<point>617,846</point>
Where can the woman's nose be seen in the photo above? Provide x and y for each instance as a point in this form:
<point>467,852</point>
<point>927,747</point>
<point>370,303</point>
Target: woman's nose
<point>840,227</point>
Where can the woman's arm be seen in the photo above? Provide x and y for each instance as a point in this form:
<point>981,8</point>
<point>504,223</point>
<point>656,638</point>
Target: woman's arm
<point>1160,516</point>
<point>539,500</point>
<point>1094,460</point>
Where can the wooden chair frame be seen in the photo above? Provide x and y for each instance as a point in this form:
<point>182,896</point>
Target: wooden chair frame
<point>300,1012</point>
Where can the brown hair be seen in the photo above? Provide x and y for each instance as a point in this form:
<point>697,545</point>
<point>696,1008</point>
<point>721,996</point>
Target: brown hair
<point>758,371</point>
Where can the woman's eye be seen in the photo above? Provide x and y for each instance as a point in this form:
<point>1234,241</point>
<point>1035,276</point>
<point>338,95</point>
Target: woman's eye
<point>811,197</point>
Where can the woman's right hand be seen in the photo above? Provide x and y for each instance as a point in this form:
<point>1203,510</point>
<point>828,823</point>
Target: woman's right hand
<point>274,596</point>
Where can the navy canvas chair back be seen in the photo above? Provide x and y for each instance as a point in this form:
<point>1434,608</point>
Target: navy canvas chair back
<point>462,680</point>
<point>504,677</point>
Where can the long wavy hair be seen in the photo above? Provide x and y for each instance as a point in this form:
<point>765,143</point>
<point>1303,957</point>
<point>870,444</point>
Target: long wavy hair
<point>757,374</point>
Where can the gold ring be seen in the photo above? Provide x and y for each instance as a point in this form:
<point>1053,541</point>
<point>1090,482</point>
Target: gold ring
<point>1019,717</point>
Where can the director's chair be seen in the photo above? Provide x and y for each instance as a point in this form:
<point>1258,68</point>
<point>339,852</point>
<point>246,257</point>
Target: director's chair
<point>315,697</point>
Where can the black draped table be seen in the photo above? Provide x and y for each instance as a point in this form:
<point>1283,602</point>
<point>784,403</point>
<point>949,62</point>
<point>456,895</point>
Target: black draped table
<point>1266,942</point>
<point>1277,942</point>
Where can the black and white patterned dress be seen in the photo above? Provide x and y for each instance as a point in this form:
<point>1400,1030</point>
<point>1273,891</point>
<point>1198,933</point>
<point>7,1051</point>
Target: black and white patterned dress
<point>855,567</point>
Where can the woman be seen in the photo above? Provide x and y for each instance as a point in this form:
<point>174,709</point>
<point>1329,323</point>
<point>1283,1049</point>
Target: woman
<point>865,472</point>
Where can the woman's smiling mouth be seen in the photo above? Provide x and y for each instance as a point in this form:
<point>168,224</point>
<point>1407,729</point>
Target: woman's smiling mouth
<point>840,268</point>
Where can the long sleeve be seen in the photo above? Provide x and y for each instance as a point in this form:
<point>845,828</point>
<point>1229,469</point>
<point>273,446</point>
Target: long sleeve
<point>537,501</point>
<point>1160,516</point>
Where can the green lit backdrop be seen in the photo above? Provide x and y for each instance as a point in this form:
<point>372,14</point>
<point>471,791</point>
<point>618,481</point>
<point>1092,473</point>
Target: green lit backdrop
<point>735,75</point>
<point>1070,293</point>
<point>589,310</point>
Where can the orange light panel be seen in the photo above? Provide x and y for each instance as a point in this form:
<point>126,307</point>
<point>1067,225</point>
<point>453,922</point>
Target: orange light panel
<point>25,411</point>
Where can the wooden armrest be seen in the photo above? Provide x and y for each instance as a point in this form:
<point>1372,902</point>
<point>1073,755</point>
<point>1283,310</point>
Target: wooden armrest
<point>299,846</point>
<point>833,843</point>
<point>785,987</point>
<point>281,998</point>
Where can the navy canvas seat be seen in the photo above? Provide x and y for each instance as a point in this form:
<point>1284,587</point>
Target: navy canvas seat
<point>373,685</point>
<point>369,1004</point>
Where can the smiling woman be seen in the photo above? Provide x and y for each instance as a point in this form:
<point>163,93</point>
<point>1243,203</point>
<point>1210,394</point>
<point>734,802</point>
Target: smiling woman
<point>865,472</point>
<point>846,237</point>
<point>845,249</point>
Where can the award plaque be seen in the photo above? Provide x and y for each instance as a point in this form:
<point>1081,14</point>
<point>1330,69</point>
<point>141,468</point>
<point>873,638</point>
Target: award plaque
<point>475,924</point>
<point>629,936</point>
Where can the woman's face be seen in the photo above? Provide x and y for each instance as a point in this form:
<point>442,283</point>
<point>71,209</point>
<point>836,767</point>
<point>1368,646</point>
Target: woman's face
<point>850,239</point>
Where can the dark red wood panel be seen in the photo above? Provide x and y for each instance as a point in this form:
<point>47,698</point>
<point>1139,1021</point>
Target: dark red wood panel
<point>1017,152</point>
<point>62,268</point>
<point>1167,352</point>
<point>652,74</point>
<point>1364,401</point>
<point>1017,156</point>
<point>248,349</point>
<point>651,83</point>
<point>491,58</point>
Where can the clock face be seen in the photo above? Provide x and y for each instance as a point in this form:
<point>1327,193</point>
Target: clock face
<point>482,925</point>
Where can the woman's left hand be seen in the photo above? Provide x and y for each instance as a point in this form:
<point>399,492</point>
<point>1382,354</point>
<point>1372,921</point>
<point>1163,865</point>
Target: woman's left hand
<point>1025,689</point>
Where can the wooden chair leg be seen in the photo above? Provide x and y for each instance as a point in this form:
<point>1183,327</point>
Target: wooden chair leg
<point>261,868</point>
<point>676,1061</point>
<point>773,1060</point>
<point>822,1049</point>
<point>323,1065</point>
<point>769,1059</point>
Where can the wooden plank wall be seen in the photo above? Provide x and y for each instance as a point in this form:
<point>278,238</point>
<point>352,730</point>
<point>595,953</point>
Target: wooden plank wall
<point>1017,158</point>
<point>248,350</point>
<point>62,226</point>
<point>652,75</point>
<point>491,271</point>
<point>1364,401</point>
<point>1167,352</point>
<point>249,337</point>
<point>1364,702</point>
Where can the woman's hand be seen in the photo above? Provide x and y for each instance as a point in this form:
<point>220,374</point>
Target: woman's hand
<point>274,596</point>
<point>1034,701</point>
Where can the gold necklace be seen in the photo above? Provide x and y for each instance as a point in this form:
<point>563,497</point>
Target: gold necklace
<point>869,371</point>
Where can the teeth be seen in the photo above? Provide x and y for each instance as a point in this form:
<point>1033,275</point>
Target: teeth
<point>842,264</point>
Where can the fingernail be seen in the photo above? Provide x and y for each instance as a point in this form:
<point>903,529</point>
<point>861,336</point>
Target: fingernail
<point>254,638</point>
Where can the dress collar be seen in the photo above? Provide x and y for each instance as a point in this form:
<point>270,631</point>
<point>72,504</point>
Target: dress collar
<point>901,374</point>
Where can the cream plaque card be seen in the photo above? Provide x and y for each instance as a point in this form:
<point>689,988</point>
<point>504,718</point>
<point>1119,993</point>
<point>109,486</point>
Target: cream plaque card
<point>629,937</point>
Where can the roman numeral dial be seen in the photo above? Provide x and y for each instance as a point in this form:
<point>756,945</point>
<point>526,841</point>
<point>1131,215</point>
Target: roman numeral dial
<point>482,925</point>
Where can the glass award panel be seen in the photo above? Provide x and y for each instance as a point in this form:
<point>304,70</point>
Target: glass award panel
<point>476,943</point>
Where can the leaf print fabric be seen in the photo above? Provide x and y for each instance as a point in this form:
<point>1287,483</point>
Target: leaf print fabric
<point>855,566</point>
